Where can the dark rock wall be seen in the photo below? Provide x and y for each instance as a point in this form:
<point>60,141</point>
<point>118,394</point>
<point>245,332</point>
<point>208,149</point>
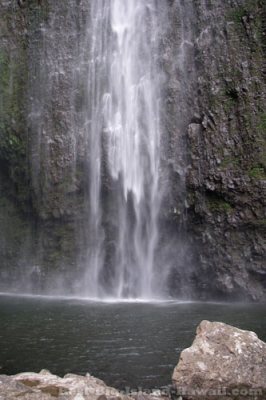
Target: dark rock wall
<point>15,199</point>
<point>226,144</point>
<point>41,184</point>
<point>213,55</point>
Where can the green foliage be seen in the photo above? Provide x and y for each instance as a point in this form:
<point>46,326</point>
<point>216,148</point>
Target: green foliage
<point>231,92</point>
<point>230,98</point>
<point>259,223</point>
<point>37,12</point>
<point>237,14</point>
<point>262,124</point>
<point>13,142</point>
<point>257,172</point>
<point>249,8</point>
<point>12,81</point>
<point>220,205</point>
<point>230,162</point>
<point>12,145</point>
<point>244,10</point>
<point>261,140</point>
<point>216,203</point>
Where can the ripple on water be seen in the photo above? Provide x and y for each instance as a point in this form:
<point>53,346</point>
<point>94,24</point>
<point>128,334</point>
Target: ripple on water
<point>125,344</point>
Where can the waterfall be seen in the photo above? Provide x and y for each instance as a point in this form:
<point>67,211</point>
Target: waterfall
<point>108,105</point>
<point>123,139</point>
<point>95,59</point>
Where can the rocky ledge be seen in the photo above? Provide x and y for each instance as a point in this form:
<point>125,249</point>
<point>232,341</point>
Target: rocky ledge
<point>223,363</point>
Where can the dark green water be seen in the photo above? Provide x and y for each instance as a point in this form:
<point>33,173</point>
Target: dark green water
<point>123,344</point>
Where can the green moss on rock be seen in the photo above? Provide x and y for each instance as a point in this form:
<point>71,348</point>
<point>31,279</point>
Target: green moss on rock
<point>13,135</point>
<point>262,124</point>
<point>257,172</point>
<point>216,203</point>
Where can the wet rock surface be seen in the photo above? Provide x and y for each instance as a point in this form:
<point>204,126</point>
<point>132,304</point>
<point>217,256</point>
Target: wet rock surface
<point>223,362</point>
<point>226,151</point>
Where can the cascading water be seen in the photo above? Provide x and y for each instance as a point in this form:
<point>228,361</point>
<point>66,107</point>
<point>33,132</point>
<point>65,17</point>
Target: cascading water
<point>107,111</point>
<point>123,131</point>
<point>94,62</point>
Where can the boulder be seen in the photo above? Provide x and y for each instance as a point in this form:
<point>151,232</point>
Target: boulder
<point>46,386</point>
<point>223,363</point>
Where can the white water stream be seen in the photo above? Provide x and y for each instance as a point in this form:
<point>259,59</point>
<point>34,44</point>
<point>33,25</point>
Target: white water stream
<point>123,113</point>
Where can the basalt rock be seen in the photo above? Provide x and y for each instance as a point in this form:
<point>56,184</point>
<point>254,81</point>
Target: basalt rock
<point>226,175</point>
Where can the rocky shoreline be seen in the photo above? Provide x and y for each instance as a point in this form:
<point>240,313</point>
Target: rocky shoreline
<point>223,363</point>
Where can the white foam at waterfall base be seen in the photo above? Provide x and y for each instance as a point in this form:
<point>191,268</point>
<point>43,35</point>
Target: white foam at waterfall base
<point>96,300</point>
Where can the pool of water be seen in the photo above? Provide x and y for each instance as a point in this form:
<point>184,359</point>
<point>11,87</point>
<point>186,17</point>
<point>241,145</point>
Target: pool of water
<point>125,344</point>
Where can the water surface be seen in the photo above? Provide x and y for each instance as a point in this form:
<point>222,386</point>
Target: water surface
<point>125,344</point>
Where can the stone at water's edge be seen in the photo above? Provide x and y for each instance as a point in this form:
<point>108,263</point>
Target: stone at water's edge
<point>46,386</point>
<point>223,363</point>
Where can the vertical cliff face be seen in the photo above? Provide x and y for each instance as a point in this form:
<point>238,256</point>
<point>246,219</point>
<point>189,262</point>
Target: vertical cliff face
<point>42,157</point>
<point>14,172</point>
<point>226,145</point>
<point>212,173</point>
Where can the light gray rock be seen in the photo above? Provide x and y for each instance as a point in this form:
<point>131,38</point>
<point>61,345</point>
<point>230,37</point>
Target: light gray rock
<point>223,363</point>
<point>46,386</point>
